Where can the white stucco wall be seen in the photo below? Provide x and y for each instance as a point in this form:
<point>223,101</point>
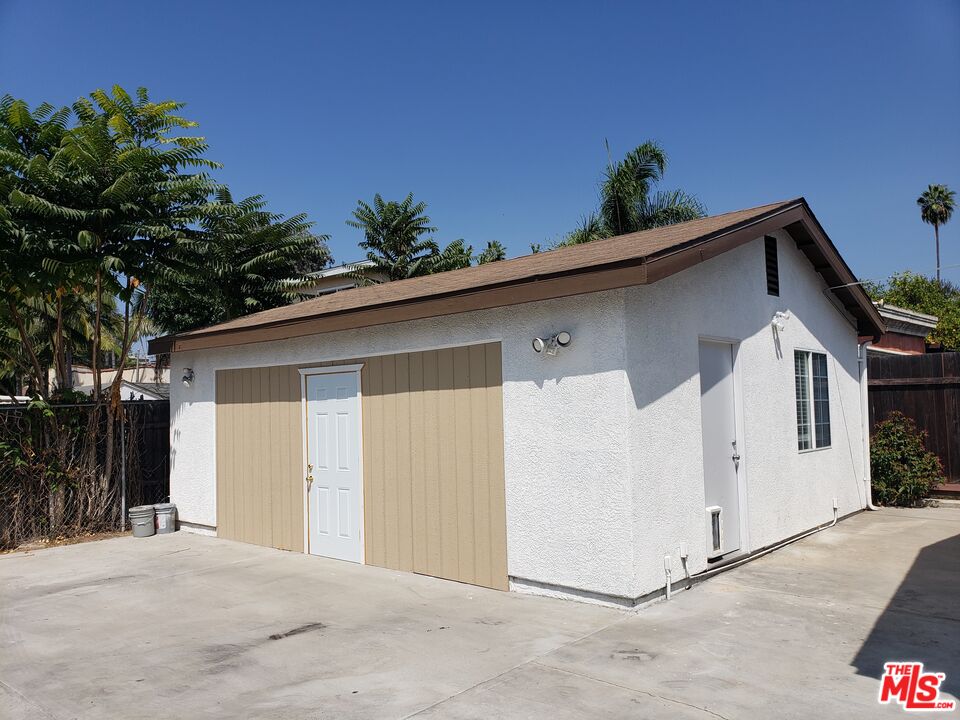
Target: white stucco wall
<point>602,442</point>
<point>565,461</point>
<point>787,491</point>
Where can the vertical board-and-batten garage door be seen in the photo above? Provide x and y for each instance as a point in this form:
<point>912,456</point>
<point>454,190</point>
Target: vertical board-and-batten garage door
<point>433,480</point>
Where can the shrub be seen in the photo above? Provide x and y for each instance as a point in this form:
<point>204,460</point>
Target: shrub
<point>903,471</point>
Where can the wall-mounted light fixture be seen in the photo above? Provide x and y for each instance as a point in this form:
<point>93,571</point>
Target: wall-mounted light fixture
<point>552,344</point>
<point>779,320</point>
<point>188,376</point>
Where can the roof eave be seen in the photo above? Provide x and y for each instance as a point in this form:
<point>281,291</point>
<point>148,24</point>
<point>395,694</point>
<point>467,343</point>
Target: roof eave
<point>640,270</point>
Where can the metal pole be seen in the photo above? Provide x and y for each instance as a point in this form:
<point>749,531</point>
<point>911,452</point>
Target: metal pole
<point>123,469</point>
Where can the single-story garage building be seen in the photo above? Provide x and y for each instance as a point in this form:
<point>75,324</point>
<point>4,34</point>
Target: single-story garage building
<point>572,422</point>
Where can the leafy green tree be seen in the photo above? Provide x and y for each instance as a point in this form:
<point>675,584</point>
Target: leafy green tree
<point>454,256</point>
<point>114,202</point>
<point>32,245</point>
<point>493,252</point>
<point>121,193</point>
<point>628,202</point>
<point>936,208</point>
<point>397,238</point>
<point>927,295</point>
<point>59,330</point>
<point>250,260</point>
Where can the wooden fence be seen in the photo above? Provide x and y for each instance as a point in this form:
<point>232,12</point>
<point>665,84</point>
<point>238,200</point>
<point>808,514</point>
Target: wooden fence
<point>925,388</point>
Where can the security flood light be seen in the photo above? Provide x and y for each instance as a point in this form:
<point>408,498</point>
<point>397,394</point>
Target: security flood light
<point>779,320</point>
<point>552,344</point>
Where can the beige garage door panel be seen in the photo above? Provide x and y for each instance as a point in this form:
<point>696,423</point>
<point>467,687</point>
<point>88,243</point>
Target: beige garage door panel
<point>433,464</point>
<point>259,451</point>
<point>433,479</point>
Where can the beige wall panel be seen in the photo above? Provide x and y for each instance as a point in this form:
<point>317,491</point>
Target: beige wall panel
<point>259,479</point>
<point>295,490</point>
<point>446,415</point>
<point>403,477</point>
<point>388,471</point>
<point>434,499</point>
<point>418,493</point>
<point>374,494</point>
<point>431,456</point>
<point>464,464</point>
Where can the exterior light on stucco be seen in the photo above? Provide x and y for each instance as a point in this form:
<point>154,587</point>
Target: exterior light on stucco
<point>779,320</point>
<point>188,376</point>
<point>552,344</point>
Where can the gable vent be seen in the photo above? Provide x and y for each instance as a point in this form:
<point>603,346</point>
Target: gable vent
<point>773,271</point>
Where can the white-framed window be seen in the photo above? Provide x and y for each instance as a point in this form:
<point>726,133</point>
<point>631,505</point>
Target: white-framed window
<point>813,400</point>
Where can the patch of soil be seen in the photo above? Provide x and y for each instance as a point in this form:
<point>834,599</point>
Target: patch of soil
<point>44,543</point>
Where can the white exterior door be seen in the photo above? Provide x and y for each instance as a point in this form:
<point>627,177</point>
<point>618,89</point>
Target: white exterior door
<point>721,456</point>
<point>334,497</point>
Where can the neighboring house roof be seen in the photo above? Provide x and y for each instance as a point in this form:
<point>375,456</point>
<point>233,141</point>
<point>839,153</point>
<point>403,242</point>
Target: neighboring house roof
<point>635,259</point>
<point>339,278</point>
<point>155,391</point>
<point>341,269</point>
<point>907,322</point>
<point>149,391</point>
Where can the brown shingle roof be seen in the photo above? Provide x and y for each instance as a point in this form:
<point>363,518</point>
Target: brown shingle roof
<point>622,253</point>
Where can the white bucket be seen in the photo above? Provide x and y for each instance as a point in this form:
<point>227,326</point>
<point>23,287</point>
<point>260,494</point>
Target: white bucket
<point>166,518</point>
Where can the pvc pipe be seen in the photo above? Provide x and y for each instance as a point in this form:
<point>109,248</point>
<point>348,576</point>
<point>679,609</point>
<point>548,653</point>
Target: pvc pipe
<point>667,569</point>
<point>865,423</point>
<point>754,556</point>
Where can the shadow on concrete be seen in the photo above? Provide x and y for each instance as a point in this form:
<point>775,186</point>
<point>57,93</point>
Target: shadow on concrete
<point>922,620</point>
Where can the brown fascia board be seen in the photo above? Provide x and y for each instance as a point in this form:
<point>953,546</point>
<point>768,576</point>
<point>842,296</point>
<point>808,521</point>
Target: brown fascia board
<point>562,285</point>
<point>809,234</point>
<point>637,271</point>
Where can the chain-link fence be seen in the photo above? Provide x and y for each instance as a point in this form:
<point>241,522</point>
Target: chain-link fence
<point>72,469</point>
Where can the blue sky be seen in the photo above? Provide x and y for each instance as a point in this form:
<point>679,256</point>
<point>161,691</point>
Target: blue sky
<point>496,114</point>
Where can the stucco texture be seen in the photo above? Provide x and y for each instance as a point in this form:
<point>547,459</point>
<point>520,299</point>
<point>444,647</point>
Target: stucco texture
<point>602,453</point>
<point>787,491</point>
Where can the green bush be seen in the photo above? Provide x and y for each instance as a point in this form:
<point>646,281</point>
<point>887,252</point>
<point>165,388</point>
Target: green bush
<point>903,471</point>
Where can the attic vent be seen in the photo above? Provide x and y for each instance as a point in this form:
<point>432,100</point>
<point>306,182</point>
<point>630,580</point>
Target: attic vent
<point>773,272</point>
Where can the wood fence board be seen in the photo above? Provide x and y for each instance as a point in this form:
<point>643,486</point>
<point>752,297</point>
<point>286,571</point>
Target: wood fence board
<point>925,388</point>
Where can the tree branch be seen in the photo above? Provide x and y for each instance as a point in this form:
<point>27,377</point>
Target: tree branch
<point>25,339</point>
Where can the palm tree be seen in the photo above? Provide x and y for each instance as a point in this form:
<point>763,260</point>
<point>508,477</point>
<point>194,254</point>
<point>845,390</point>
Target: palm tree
<point>493,252</point>
<point>396,238</point>
<point>936,208</point>
<point>627,200</point>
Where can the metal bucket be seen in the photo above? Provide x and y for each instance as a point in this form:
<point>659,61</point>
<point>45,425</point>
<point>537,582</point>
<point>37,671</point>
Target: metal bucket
<point>166,518</point>
<point>141,520</point>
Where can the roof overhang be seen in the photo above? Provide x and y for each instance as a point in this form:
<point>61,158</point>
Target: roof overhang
<point>907,322</point>
<point>795,217</point>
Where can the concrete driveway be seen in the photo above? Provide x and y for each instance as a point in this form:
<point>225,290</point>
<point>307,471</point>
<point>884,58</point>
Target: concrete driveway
<point>193,627</point>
